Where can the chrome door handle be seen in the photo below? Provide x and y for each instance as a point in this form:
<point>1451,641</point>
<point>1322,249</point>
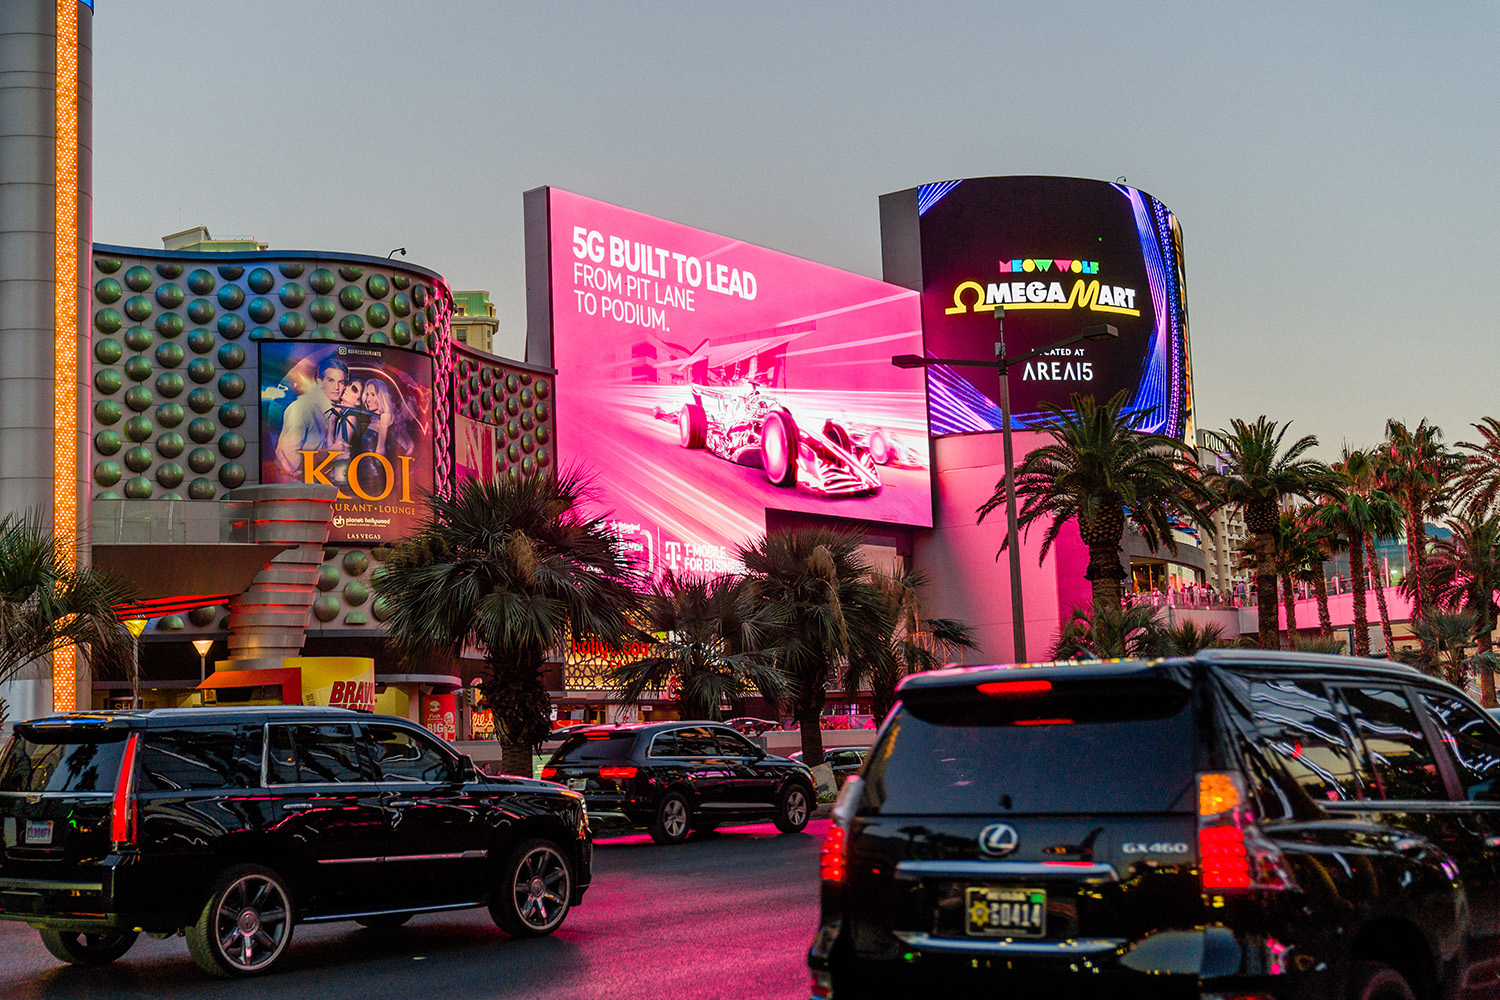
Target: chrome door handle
<point>405,802</point>
<point>297,806</point>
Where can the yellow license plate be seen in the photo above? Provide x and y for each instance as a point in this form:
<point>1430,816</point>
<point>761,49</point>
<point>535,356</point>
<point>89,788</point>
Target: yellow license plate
<point>1006,912</point>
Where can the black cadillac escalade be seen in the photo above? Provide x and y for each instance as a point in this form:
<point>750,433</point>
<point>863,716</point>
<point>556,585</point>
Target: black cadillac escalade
<point>235,825</point>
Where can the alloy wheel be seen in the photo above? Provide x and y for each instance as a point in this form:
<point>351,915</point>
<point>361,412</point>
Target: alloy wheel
<point>674,818</point>
<point>541,887</point>
<point>251,922</point>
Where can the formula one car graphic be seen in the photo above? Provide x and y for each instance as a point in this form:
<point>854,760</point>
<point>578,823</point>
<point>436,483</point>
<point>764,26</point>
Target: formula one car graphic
<point>744,425</point>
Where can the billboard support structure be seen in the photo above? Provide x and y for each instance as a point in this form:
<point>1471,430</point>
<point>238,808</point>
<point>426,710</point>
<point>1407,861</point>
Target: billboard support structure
<point>1002,365</point>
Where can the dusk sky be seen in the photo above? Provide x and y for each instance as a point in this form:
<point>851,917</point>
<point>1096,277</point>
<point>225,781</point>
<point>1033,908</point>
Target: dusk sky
<point>1331,164</point>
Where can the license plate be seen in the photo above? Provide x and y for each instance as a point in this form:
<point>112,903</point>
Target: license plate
<point>578,784</point>
<point>38,831</point>
<point>1006,912</point>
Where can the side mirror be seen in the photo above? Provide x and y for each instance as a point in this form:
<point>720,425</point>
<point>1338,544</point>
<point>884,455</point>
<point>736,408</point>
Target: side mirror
<point>467,771</point>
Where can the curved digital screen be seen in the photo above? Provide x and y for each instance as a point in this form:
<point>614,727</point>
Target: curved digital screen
<point>705,380</point>
<point>1059,255</point>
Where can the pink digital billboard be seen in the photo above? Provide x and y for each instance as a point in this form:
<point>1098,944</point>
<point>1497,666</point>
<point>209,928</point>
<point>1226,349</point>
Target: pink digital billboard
<point>704,380</point>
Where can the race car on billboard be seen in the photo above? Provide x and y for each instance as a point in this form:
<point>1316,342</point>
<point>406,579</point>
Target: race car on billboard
<point>744,425</point>
<point>886,447</point>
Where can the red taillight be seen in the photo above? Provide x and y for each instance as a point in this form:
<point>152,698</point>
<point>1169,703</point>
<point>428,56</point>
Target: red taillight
<point>1222,854</point>
<point>617,773</point>
<point>122,822</point>
<point>1042,722</point>
<point>831,860</point>
<point>549,772</point>
<point>1233,853</point>
<point>1015,687</point>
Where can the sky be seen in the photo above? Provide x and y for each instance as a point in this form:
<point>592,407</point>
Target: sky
<point>1331,163</point>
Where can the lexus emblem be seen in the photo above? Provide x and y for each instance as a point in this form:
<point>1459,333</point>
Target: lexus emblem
<point>998,839</point>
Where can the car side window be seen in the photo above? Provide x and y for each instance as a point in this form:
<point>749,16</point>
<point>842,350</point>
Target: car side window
<point>1296,725</point>
<point>697,741</point>
<point>733,744</point>
<point>1473,742</point>
<point>665,745</point>
<point>1397,762</point>
<point>202,757</point>
<point>317,754</point>
<point>403,755</point>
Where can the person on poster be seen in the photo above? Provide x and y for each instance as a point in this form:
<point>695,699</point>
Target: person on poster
<point>308,421</point>
<point>389,433</point>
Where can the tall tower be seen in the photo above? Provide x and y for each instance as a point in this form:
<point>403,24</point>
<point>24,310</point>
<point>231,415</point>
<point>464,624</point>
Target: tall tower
<point>46,124</point>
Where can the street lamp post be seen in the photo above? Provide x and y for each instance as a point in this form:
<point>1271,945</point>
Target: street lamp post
<point>1002,365</point>
<point>203,646</point>
<point>135,626</point>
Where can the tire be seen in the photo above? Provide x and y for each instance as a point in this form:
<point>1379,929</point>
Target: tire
<point>836,433</point>
<point>692,426</point>
<point>535,891</point>
<point>794,809</point>
<point>78,948</point>
<point>384,921</point>
<point>880,448</point>
<point>246,924</point>
<point>778,448</point>
<point>673,819</point>
<point>1375,981</point>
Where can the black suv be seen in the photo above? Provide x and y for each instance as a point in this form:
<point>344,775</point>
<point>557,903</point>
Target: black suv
<point>1234,824</point>
<point>234,825</point>
<point>677,777</point>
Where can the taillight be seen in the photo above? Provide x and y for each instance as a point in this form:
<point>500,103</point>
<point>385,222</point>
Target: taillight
<point>549,772</point>
<point>831,860</point>
<point>1015,687</point>
<point>1233,853</point>
<point>122,815</point>
<point>617,773</point>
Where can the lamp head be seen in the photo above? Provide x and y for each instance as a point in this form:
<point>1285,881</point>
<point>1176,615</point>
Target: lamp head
<point>909,361</point>
<point>1104,332</point>
<point>203,646</point>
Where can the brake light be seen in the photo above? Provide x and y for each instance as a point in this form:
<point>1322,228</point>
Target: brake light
<point>1042,722</point>
<point>1233,853</point>
<point>549,772</point>
<point>831,859</point>
<point>1015,687</point>
<point>617,773</point>
<point>122,814</point>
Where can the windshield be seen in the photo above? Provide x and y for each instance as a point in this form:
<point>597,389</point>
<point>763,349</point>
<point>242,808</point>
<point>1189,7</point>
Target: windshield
<point>599,746</point>
<point>1086,751</point>
<point>27,766</point>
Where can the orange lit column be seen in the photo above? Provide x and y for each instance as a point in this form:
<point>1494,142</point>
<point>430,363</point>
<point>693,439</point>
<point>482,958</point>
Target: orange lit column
<point>45,168</point>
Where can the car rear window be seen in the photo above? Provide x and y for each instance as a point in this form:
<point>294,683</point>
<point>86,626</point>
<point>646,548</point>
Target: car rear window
<point>599,746</point>
<point>34,763</point>
<point>1099,750</point>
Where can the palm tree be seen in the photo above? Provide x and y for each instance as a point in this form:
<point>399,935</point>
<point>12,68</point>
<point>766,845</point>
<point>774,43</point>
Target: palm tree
<point>709,633</point>
<point>1479,482</point>
<point>917,642</point>
<point>1415,469</point>
<point>1326,545</point>
<point>48,603</point>
<point>1354,509</point>
<point>1257,474</point>
<point>1298,558</point>
<point>1097,633</point>
<point>1101,472</point>
<point>1465,570</point>
<point>1448,636</point>
<point>512,567</point>
<point>816,582</point>
<point>1187,638</point>
<point>1373,561</point>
